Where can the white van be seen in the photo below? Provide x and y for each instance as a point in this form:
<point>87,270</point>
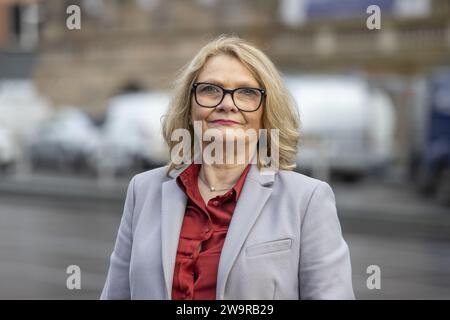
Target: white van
<point>22,109</point>
<point>132,130</point>
<point>346,127</point>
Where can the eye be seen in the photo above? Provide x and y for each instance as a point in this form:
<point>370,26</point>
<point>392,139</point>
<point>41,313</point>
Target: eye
<point>207,88</point>
<point>249,92</point>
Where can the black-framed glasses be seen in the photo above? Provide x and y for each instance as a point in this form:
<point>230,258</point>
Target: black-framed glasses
<point>210,95</point>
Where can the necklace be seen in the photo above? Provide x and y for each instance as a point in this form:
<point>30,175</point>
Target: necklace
<point>212,188</point>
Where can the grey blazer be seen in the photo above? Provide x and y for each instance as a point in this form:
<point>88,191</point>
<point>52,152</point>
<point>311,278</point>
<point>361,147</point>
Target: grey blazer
<point>284,240</point>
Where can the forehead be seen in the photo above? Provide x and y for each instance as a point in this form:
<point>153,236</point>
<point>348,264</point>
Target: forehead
<point>227,71</point>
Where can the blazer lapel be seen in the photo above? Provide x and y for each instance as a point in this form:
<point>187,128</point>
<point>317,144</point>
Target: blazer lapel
<point>252,199</point>
<point>173,206</point>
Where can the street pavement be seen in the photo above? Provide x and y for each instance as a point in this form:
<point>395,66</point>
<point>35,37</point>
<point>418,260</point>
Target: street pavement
<point>49,223</point>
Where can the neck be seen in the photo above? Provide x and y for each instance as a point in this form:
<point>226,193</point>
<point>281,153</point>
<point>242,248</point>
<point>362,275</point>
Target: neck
<point>221,175</point>
<point>226,174</point>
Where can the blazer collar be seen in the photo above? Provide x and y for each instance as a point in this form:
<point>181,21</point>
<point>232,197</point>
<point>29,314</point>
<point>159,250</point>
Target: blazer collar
<point>174,173</point>
<point>264,177</point>
<point>254,195</point>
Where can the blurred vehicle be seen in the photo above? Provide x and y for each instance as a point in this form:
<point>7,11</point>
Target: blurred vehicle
<point>21,110</point>
<point>68,141</point>
<point>21,106</point>
<point>346,127</point>
<point>8,150</point>
<point>132,135</point>
<point>430,152</point>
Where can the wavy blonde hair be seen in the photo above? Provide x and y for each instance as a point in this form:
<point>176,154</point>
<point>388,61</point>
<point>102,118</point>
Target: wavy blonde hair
<point>279,110</point>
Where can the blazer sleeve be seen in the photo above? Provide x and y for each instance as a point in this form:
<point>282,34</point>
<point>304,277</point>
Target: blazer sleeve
<point>325,267</point>
<point>117,284</point>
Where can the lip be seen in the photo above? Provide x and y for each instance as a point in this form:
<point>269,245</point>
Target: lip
<point>224,122</point>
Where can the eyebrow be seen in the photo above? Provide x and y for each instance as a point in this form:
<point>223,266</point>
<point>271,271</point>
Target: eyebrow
<point>239,84</point>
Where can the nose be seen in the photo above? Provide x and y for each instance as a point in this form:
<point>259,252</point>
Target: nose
<point>227,103</point>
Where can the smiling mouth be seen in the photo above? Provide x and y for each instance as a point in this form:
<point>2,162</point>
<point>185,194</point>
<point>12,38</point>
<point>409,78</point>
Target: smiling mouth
<point>225,122</point>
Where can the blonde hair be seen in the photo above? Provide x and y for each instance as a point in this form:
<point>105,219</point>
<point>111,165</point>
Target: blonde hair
<point>279,110</point>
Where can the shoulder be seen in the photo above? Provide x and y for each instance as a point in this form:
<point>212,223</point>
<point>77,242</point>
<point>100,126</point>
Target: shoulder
<point>302,188</point>
<point>311,194</point>
<point>300,182</point>
<point>153,177</point>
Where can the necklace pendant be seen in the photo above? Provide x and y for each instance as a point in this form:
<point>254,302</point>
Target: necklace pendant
<point>212,188</point>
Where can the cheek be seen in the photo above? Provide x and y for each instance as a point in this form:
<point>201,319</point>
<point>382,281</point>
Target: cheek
<point>199,113</point>
<point>196,113</point>
<point>254,121</point>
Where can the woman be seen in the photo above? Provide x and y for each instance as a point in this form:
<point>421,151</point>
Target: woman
<point>219,229</point>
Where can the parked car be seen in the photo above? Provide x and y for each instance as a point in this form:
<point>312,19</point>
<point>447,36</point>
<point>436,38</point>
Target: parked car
<point>8,150</point>
<point>22,108</point>
<point>132,135</point>
<point>67,141</point>
<point>346,127</point>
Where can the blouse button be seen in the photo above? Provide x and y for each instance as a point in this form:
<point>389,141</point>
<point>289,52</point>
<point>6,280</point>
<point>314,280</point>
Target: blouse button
<point>215,202</point>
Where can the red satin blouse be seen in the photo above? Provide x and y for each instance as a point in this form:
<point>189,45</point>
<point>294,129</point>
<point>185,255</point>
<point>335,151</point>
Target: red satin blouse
<point>202,237</point>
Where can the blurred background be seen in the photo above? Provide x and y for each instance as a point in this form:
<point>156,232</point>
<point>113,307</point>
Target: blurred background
<point>80,115</point>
